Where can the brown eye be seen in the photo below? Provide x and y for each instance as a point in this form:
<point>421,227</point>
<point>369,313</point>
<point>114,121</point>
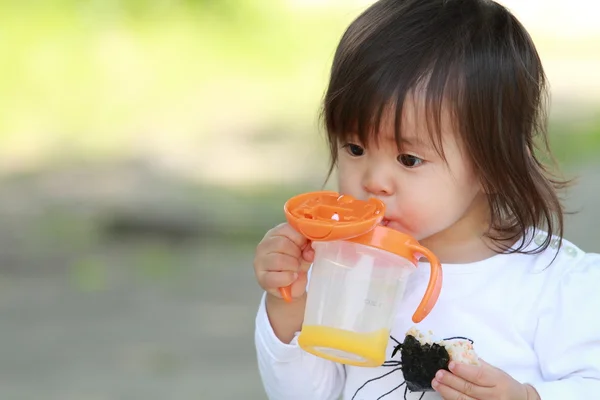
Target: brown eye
<point>354,150</point>
<point>409,161</point>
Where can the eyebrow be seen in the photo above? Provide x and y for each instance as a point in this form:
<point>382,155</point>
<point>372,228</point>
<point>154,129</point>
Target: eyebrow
<point>411,141</point>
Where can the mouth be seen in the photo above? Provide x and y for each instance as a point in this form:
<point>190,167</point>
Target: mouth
<point>393,224</point>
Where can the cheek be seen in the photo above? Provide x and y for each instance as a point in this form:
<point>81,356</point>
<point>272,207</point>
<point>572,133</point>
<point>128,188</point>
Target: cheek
<point>463,178</point>
<point>347,185</point>
<point>470,185</point>
<point>441,197</point>
<point>342,177</point>
<point>463,170</point>
<point>348,178</point>
<point>342,184</point>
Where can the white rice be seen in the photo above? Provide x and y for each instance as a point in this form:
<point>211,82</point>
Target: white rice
<point>459,350</point>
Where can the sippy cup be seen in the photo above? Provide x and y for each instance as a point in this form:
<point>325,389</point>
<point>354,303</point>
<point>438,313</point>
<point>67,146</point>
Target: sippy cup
<point>358,275</point>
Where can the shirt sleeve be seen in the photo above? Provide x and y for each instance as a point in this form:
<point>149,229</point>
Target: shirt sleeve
<point>290,373</point>
<point>568,343</point>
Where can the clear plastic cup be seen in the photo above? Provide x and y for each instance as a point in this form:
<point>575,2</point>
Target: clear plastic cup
<point>353,292</point>
<point>357,278</point>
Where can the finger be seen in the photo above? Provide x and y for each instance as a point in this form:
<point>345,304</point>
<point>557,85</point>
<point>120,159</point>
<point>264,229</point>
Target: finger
<point>481,375</point>
<point>462,386</point>
<point>276,280</point>
<point>449,393</point>
<point>286,230</point>
<point>308,254</point>
<point>299,285</point>
<point>276,262</point>
<point>485,363</point>
<point>304,267</point>
<point>280,244</point>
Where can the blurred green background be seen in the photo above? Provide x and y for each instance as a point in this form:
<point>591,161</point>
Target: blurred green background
<point>145,149</point>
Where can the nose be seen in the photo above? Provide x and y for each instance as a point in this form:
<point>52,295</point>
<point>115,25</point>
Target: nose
<point>378,180</point>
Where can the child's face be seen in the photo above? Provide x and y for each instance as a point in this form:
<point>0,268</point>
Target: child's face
<point>424,194</point>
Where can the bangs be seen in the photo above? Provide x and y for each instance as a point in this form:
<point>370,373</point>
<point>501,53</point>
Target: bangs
<point>374,72</point>
<point>359,110</point>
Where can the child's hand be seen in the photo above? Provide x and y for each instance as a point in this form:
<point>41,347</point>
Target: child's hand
<point>283,258</point>
<point>483,382</point>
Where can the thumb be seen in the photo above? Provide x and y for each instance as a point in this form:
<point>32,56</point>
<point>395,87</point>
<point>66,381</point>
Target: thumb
<point>304,267</point>
<point>484,363</point>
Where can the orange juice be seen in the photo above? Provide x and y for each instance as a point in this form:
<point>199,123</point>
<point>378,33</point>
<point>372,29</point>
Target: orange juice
<point>343,346</point>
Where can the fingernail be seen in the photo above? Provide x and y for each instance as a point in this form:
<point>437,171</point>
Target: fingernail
<point>295,275</point>
<point>435,383</point>
<point>439,375</point>
<point>452,365</point>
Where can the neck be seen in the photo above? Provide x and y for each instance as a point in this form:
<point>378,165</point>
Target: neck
<point>453,249</point>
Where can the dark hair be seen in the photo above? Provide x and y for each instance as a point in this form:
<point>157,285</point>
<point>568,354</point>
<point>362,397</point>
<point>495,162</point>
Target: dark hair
<point>478,56</point>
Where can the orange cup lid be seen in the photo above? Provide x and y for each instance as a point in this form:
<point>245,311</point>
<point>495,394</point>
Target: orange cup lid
<point>327,215</point>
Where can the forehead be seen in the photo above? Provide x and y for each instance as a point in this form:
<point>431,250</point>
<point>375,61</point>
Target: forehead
<point>416,123</point>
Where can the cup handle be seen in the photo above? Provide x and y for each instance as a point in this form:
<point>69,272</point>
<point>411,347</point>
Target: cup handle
<point>286,293</point>
<point>433,287</point>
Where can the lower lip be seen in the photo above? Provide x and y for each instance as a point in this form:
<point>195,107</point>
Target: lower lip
<point>393,225</point>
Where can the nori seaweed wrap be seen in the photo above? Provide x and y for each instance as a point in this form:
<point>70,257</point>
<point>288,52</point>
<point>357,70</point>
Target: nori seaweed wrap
<point>422,358</point>
<point>420,363</point>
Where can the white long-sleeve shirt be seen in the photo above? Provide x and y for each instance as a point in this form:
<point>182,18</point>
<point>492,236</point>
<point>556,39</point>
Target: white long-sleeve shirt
<point>536,320</point>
